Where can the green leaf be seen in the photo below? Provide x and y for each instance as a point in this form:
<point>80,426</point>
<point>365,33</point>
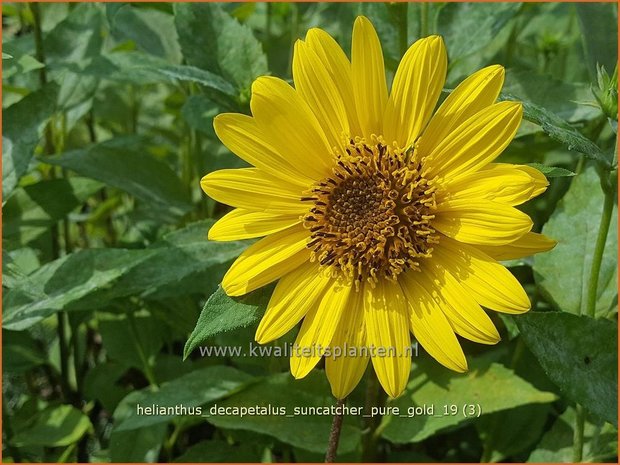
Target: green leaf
<point>190,391</point>
<point>76,37</point>
<point>152,31</point>
<point>23,123</point>
<point>434,385</point>
<point>137,446</point>
<point>198,111</point>
<point>124,162</point>
<point>182,262</point>
<point>56,284</point>
<point>527,424</point>
<point>106,374</point>
<point>120,343</point>
<point>558,129</point>
<point>213,40</point>
<point>199,76</point>
<point>282,391</point>
<point>55,426</point>
<point>559,97</point>
<point>21,352</point>
<point>216,450</point>
<point>599,22</point>
<point>556,446</point>
<point>223,313</point>
<point>579,354</point>
<point>69,46</point>
<point>33,209</point>
<point>468,27</point>
<point>12,274</point>
<point>20,66</point>
<point>552,171</point>
<point>574,224</point>
<point>6,56</point>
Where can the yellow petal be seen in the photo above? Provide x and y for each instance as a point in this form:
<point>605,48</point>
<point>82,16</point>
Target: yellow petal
<point>318,328</point>
<point>463,312</point>
<point>417,84</point>
<point>253,189</point>
<point>475,143</point>
<point>528,244</point>
<point>267,260</point>
<point>241,135</point>
<point>349,353</point>
<point>481,222</point>
<point>475,93</point>
<point>430,326</point>
<point>490,283</point>
<point>504,183</point>
<point>316,87</point>
<point>295,295</point>
<point>290,126</point>
<point>387,330</point>
<point>339,68</point>
<point>245,224</point>
<point>368,77</point>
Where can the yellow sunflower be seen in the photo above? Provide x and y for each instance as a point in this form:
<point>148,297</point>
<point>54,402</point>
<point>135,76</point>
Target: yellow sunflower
<point>380,218</point>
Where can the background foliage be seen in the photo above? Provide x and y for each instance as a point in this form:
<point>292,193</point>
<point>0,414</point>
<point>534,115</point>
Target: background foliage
<point>107,112</point>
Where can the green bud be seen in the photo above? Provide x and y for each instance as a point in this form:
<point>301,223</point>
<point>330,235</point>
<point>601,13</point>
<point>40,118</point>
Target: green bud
<point>606,91</point>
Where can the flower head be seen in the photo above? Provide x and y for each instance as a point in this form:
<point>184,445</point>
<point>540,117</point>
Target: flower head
<point>380,218</point>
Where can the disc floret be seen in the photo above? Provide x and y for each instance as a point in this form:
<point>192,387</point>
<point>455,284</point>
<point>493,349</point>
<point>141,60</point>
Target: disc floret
<point>372,218</point>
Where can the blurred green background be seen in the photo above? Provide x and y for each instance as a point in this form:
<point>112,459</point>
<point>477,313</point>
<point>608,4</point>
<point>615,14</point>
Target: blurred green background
<point>107,129</point>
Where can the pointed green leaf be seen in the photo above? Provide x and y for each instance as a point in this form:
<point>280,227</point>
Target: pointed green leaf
<point>283,392</point>
<point>579,354</point>
<point>223,313</point>
<point>214,41</point>
<point>124,162</point>
<point>558,129</point>
<point>191,390</point>
<point>55,426</point>
<point>433,385</point>
<point>23,124</point>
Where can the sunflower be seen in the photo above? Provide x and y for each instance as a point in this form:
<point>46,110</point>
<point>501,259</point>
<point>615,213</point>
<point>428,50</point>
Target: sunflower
<point>381,220</point>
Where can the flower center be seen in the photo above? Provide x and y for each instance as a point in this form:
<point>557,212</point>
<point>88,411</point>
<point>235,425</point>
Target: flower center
<point>372,218</point>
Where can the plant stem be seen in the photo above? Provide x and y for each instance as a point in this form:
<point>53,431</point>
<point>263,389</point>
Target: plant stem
<point>610,189</point>
<point>599,249</point>
<point>580,421</point>
<point>334,434</point>
<point>148,370</point>
<point>49,149</point>
<point>374,398</point>
<point>403,32</point>
<point>49,136</point>
<point>64,356</point>
<point>423,19</point>
<point>169,444</point>
<point>38,41</point>
<point>77,365</point>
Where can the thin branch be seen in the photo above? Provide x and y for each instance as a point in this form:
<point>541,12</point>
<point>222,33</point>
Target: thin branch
<point>334,434</point>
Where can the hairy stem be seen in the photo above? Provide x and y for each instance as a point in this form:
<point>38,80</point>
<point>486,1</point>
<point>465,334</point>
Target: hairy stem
<point>599,249</point>
<point>580,422</point>
<point>334,434</point>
